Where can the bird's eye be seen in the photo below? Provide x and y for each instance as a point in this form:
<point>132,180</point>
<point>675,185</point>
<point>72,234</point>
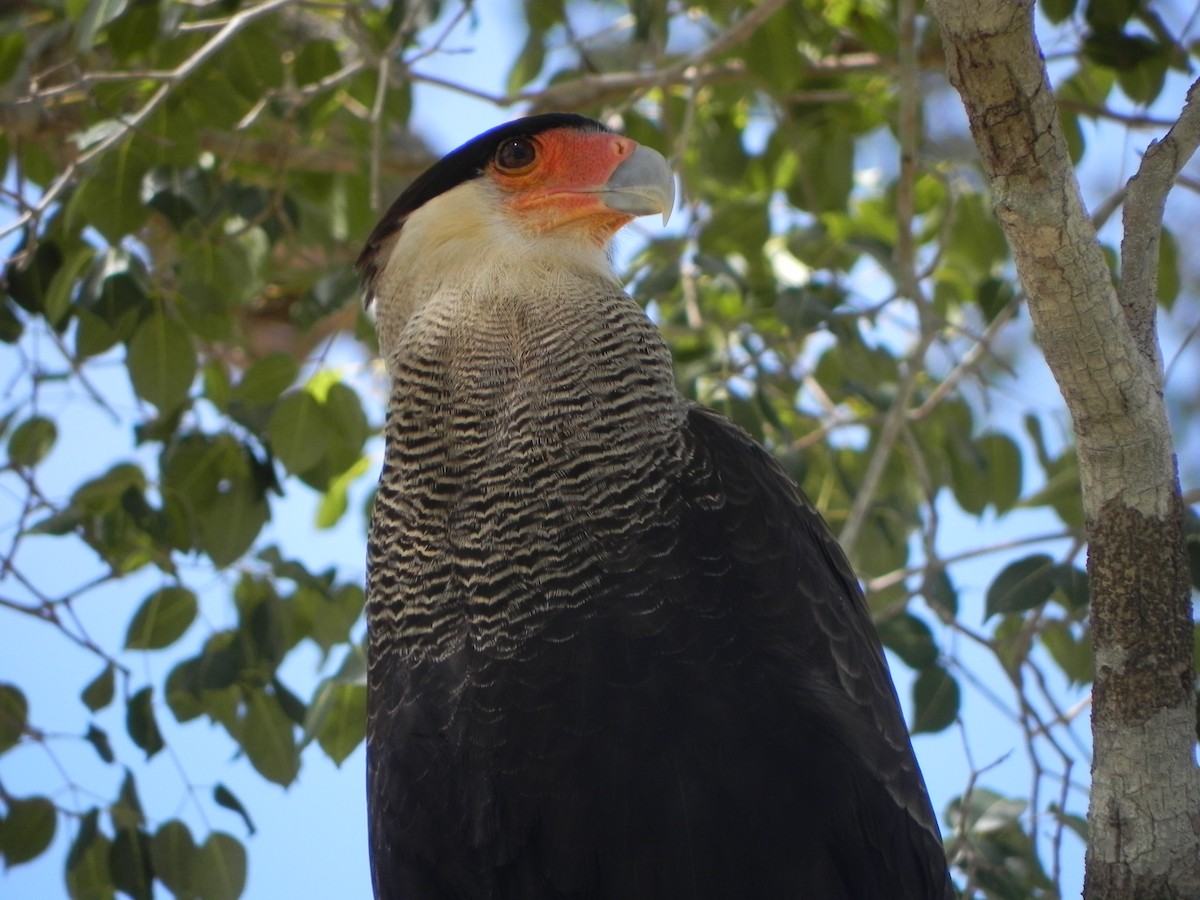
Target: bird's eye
<point>516,154</point>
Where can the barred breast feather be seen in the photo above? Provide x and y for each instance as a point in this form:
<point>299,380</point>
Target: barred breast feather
<point>528,444</point>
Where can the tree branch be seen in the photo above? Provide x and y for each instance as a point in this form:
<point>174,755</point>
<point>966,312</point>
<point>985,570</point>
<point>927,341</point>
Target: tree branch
<point>1142,219</point>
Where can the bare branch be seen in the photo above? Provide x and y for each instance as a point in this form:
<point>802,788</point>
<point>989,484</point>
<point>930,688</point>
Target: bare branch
<point>1142,220</point>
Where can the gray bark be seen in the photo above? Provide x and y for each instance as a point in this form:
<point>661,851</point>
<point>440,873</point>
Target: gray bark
<point>1144,816</point>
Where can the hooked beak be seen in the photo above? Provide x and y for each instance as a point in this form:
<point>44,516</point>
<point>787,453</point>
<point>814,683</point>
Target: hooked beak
<point>641,186</point>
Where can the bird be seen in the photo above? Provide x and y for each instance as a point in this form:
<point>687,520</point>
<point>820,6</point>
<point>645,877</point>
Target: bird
<point>613,651</point>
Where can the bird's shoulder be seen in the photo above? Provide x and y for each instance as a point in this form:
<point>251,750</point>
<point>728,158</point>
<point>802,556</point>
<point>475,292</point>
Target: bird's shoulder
<point>780,563</point>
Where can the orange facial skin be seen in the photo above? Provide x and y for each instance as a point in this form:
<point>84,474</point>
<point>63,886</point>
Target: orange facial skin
<point>561,187</point>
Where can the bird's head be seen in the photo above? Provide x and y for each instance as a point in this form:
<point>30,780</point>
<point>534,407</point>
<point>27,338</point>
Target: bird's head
<point>537,193</point>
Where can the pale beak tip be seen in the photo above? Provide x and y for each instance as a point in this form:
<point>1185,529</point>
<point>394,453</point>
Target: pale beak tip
<point>642,185</point>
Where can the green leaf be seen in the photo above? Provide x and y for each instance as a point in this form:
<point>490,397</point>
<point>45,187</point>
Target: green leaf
<point>127,812</point>
<point>98,738</point>
<point>338,718</point>
<point>910,639</point>
<point>299,431</point>
<point>89,831</point>
<point>221,870</point>
<point>1073,654</point>
<point>825,175</point>
<point>226,798</point>
<point>993,296</point>
<point>266,380</point>
<point>135,32</point>
<point>11,326</point>
<point>344,408</point>
<point>1062,491</point>
<point>229,525</point>
<point>32,441</point>
<point>528,64</point>
<point>175,857</point>
<point>99,691</point>
<point>1143,82</point>
<point>975,238</point>
<point>251,62</point>
<point>1057,10</point>
<point>1109,14</point>
<point>28,829</point>
<point>129,861</point>
<point>269,739</point>
<point>140,722</point>
<point>1073,135</point>
<point>162,619</point>
<point>12,50</point>
<point>936,700</point>
<point>942,594</point>
<point>293,707</point>
<point>1021,586</point>
<point>315,60</point>
<point>1001,469</point>
<point>14,716</point>
<point>96,16</point>
<point>1004,861</point>
<point>1168,269</point>
<point>1191,526</point>
<point>335,500</point>
<point>65,283</point>
<point>328,618</point>
<point>773,53</point>
<point>1077,824</point>
<point>109,197</point>
<point>162,362</point>
<point>88,875</point>
<point>985,811</point>
<point>1071,587</point>
<point>183,691</point>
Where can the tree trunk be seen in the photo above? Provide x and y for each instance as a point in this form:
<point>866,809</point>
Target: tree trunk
<point>1144,815</point>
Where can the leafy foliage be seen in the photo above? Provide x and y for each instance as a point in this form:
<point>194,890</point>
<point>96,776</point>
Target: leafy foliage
<point>187,186</point>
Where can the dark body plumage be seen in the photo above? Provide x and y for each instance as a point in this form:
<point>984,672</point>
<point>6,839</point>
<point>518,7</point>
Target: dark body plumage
<point>614,653</point>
